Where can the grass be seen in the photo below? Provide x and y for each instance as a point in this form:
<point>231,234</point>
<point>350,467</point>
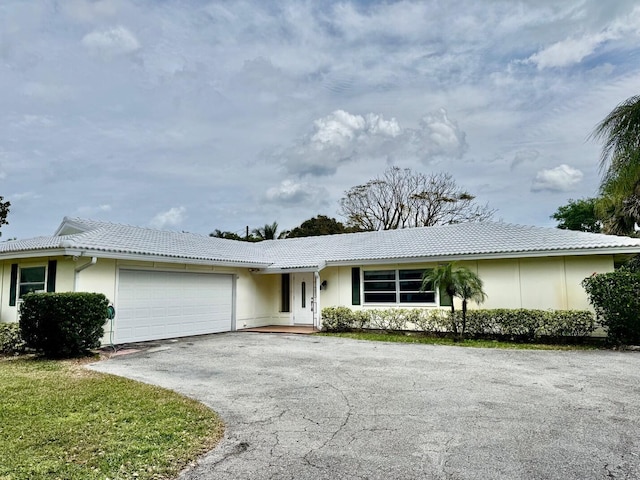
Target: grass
<point>59,420</point>
<point>403,337</point>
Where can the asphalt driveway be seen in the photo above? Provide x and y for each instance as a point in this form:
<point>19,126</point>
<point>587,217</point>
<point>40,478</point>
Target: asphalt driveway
<point>306,407</point>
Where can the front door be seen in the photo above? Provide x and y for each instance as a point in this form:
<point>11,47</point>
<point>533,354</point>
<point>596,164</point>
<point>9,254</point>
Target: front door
<point>302,298</point>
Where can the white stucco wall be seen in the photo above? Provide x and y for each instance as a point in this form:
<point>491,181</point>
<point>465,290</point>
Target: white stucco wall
<point>541,283</point>
<point>64,281</point>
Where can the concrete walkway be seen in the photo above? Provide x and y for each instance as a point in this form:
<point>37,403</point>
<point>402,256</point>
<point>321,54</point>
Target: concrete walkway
<point>310,407</point>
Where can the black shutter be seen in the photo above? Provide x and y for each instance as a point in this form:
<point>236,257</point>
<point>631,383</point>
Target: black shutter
<point>285,285</point>
<point>51,275</point>
<point>13,286</point>
<point>355,286</point>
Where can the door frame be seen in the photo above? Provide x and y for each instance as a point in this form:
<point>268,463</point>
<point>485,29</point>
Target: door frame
<point>302,312</point>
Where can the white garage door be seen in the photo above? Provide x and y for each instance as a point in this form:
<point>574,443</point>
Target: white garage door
<point>154,305</point>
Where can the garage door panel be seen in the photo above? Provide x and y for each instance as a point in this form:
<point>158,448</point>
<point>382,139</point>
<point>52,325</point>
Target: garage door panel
<point>154,305</point>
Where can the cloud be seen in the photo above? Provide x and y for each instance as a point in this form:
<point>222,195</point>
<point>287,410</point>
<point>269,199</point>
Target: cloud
<point>92,210</point>
<point>89,10</point>
<point>522,156</point>
<point>114,41</point>
<point>342,137</point>
<point>171,218</point>
<point>560,179</point>
<point>573,50</point>
<point>566,52</point>
<point>291,192</point>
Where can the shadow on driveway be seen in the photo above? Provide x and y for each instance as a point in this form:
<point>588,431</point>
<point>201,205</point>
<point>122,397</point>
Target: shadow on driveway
<point>311,407</point>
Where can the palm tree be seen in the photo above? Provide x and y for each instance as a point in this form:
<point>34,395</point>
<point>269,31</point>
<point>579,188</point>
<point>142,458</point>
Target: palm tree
<point>457,282</point>
<point>620,164</point>
<point>268,232</point>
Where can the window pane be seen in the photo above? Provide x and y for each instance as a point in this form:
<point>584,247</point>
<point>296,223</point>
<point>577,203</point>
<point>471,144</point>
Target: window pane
<point>379,297</point>
<point>303,289</point>
<point>31,287</point>
<point>32,274</point>
<point>380,287</point>
<point>445,299</point>
<point>411,274</point>
<point>411,286</point>
<point>425,297</point>
<point>380,275</point>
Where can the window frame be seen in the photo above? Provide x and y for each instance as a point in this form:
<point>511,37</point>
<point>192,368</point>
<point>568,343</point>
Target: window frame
<point>398,291</point>
<point>20,283</point>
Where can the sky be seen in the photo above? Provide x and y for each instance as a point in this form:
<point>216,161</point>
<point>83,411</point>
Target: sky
<point>196,115</point>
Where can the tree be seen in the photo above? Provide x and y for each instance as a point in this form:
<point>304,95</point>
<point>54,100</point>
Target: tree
<point>319,225</point>
<point>578,215</point>
<point>267,232</point>
<point>457,282</point>
<point>4,211</point>
<point>620,164</point>
<point>401,198</point>
<point>228,235</point>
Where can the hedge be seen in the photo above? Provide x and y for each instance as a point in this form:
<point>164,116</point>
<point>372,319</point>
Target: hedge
<point>11,341</point>
<point>63,324</point>
<point>520,324</point>
<point>615,296</point>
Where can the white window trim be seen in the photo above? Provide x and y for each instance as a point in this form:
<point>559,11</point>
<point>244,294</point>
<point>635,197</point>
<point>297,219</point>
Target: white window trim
<point>397,280</point>
<point>19,283</point>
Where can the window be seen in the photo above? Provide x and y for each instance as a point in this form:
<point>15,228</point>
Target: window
<point>32,279</point>
<point>303,288</point>
<point>396,286</point>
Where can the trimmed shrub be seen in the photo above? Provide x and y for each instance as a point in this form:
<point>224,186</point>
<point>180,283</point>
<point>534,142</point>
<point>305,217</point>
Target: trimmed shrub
<point>615,296</point>
<point>518,324</point>
<point>11,341</point>
<point>337,319</point>
<point>431,320</point>
<point>62,325</point>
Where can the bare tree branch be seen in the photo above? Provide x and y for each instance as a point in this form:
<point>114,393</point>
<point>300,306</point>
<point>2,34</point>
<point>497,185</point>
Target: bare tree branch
<point>400,198</point>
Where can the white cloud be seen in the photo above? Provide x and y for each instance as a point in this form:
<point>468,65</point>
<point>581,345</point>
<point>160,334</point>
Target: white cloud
<point>113,41</point>
<point>342,137</point>
<point>571,51</point>
<point>560,179</point>
<point>440,136</point>
<point>567,52</point>
<point>291,192</point>
<point>171,218</point>
<point>524,156</point>
<point>92,210</point>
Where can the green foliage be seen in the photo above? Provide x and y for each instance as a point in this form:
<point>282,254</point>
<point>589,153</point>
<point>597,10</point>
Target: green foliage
<point>266,232</point>
<point>517,324</point>
<point>456,282</point>
<point>320,225</point>
<point>63,325</point>
<point>615,296</point>
<point>633,264</point>
<point>578,215</point>
<point>228,235</point>
<point>4,211</point>
<point>11,341</point>
<point>338,319</point>
<point>620,161</point>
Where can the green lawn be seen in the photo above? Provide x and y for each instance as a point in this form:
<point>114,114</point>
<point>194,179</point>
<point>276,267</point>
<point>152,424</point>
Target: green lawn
<point>59,420</point>
<point>402,337</point>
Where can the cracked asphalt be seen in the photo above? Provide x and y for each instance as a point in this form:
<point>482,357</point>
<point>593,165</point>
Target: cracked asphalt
<point>309,407</point>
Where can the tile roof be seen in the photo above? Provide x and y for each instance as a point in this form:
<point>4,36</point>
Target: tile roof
<point>112,238</point>
<point>470,240</point>
<point>447,241</point>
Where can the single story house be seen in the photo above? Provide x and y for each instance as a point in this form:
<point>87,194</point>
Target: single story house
<point>166,284</point>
